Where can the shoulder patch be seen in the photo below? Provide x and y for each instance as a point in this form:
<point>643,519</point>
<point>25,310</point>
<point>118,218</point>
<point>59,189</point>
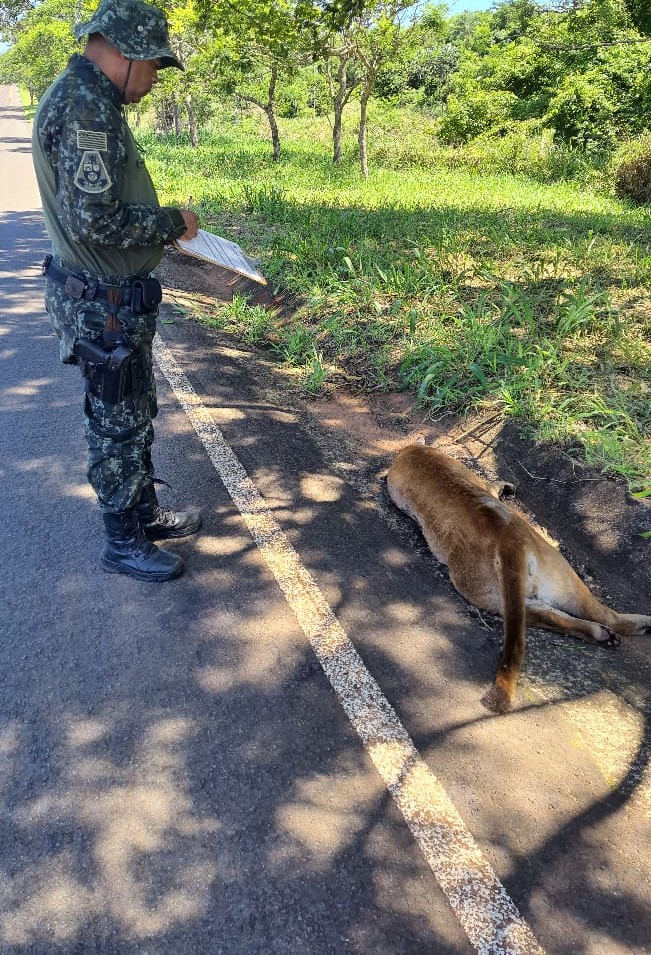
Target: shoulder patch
<point>92,175</point>
<point>87,139</point>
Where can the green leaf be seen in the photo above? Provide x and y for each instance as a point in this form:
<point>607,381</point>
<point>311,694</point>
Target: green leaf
<point>478,373</point>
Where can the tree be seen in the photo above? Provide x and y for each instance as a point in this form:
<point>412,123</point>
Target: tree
<point>11,13</point>
<point>256,44</point>
<point>343,78</point>
<point>187,93</point>
<point>43,43</point>
<point>640,13</point>
<point>376,35</point>
<point>424,61</point>
<point>512,20</point>
<point>579,68</point>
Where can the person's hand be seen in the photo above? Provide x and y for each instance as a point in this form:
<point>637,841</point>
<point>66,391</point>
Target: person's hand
<point>191,224</point>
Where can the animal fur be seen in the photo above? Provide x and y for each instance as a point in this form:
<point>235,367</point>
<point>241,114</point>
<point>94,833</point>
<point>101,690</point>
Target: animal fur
<point>498,562</point>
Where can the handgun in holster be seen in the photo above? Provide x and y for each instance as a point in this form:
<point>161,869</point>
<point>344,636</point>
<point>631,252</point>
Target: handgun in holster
<point>111,374</point>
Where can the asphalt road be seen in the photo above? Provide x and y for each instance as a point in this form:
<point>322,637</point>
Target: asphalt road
<point>283,751</point>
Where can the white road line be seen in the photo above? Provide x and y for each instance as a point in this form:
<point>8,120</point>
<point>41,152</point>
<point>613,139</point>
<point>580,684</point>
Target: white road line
<point>480,902</point>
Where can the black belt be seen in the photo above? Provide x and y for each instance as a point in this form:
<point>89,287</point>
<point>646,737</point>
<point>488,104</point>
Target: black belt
<point>76,286</point>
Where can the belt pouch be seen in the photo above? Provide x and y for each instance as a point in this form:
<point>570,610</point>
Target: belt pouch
<point>146,296</point>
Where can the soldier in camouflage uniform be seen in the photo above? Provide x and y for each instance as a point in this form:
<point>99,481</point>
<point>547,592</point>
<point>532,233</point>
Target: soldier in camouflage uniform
<point>107,231</point>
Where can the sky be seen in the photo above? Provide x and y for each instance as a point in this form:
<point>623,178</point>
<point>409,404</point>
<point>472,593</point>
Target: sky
<point>459,6</point>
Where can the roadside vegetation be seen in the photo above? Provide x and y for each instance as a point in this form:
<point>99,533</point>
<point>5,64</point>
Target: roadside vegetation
<point>459,205</point>
<point>472,289</point>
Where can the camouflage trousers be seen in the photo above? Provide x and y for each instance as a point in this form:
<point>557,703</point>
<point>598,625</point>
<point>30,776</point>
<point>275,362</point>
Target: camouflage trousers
<point>120,436</point>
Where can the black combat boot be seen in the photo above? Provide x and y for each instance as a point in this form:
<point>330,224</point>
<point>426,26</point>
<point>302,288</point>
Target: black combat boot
<point>158,522</point>
<point>128,551</point>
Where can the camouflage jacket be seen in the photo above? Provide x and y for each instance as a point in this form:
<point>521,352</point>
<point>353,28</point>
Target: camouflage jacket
<point>100,205</point>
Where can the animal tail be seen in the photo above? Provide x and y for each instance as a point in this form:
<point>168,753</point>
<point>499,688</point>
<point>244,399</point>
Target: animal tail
<point>511,567</point>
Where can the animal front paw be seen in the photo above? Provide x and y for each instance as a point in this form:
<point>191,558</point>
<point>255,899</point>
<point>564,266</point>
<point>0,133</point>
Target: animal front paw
<point>496,700</point>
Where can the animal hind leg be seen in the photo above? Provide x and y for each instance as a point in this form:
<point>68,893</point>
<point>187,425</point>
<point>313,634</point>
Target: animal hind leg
<point>540,614</point>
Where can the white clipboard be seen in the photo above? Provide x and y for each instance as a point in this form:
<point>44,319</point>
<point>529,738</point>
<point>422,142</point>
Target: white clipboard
<point>212,248</point>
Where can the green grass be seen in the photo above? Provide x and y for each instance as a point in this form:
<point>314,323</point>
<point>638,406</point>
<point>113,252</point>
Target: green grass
<point>28,108</point>
<point>471,289</point>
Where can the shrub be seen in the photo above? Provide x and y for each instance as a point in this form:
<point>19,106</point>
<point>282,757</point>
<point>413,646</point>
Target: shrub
<point>583,112</point>
<point>526,148</point>
<point>474,111</point>
<point>632,170</point>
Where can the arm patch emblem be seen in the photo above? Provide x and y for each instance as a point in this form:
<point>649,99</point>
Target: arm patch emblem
<point>87,139</point>
<point>92,176</point>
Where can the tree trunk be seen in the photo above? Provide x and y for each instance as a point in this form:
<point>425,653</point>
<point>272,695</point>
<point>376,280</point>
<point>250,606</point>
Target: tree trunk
<point>273,126</point>
<point>176,112</point>
<point>338,102</point>
<point>192,121</point>
<point>270,110</point>
<point>361,137</point>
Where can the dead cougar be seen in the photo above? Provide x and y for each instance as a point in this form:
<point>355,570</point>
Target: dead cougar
<point>498,562</point>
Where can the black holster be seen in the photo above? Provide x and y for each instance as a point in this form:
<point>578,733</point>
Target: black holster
<point>111,374</point>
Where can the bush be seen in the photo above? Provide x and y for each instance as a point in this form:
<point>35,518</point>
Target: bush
<point>632,170</point>
<point>528,149</point>
<point>472,112</point>
<point>404,139</point>
<point>582,112</point>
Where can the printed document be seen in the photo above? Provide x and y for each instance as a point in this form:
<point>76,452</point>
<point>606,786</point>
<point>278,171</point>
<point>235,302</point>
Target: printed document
<point>212,248</point>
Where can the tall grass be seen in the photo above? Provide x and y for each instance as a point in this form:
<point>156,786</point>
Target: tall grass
<point>470,288</point>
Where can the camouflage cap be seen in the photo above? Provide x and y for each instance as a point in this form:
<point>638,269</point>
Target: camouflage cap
<point>135,28</point>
